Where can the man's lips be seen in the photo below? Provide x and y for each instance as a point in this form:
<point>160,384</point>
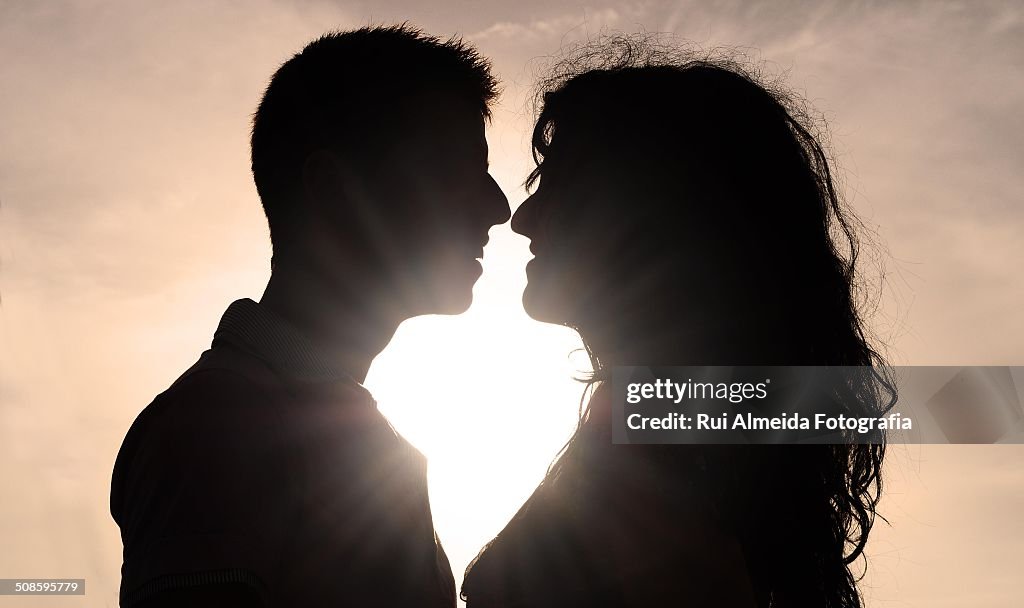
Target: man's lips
<point>478,253</point>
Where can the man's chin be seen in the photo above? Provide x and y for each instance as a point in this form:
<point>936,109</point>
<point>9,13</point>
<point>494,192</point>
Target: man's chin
<point>441,292</point>
<point>451,301</point>
<point>454,306</point>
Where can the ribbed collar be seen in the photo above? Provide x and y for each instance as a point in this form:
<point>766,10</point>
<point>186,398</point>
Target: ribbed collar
<point>274,340</point>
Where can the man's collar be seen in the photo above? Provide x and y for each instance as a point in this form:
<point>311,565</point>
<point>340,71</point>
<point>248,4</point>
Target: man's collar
<point>271,338</point>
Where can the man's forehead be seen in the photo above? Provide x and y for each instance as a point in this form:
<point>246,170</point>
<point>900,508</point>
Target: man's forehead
<point>433,113</point>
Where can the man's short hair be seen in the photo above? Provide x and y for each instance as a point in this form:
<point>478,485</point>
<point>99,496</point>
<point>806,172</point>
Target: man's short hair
<point>348,92</point>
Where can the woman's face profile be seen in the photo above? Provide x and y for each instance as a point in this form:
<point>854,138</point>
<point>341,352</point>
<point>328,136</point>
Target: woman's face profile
<point>545,218</point>
<point>571,221</point>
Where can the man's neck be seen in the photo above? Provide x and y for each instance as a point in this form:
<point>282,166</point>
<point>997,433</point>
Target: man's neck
<point>344,325</point>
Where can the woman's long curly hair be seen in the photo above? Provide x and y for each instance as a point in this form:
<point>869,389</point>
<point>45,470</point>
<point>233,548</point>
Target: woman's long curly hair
<point>734,171</point>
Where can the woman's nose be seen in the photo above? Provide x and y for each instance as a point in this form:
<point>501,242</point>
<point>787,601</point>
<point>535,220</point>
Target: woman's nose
<point>524,221</point>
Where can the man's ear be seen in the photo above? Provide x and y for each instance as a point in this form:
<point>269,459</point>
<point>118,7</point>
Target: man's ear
<point>337,196</point>
<point>323,180</point>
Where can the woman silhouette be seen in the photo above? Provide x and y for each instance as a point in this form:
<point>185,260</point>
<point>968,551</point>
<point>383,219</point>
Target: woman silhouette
<point>685,214</point>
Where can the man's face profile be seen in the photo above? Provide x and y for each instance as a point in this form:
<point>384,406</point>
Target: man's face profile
<point>428,207</point>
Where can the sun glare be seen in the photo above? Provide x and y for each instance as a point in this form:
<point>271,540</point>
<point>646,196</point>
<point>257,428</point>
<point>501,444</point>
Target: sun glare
<point>488,396</point>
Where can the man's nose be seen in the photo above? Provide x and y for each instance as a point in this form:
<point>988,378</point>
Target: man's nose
<point>499,211</point>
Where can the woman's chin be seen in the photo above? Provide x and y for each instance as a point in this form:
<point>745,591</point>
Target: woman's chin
<point>544,306</point>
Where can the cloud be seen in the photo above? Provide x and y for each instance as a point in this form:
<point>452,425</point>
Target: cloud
<point>550,28</point>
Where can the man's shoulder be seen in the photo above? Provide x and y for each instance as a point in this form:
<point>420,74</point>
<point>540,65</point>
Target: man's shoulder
<point>229,391</point>
<point>231,405</point>
<point>219,387</point>
<point>190,470</point>
<point>225,368</point>
<point>222,397</point>
<point>201,394</point>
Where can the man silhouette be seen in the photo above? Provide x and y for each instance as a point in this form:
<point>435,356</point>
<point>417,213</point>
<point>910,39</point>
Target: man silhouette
<point>265,474</point>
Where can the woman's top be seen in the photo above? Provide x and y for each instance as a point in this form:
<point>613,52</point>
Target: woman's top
<point>614,526</point>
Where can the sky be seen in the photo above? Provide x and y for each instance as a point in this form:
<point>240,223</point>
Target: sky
<point>128,222</point>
